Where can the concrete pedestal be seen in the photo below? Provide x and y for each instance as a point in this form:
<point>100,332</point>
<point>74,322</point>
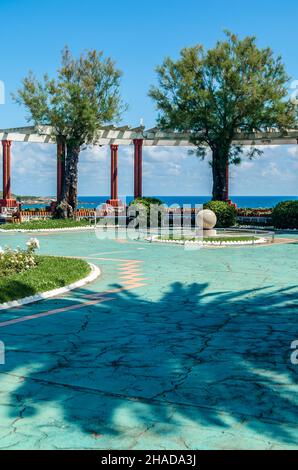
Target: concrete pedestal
<point>209,233</point>
<point>9,203</point>
<point>115,203</point>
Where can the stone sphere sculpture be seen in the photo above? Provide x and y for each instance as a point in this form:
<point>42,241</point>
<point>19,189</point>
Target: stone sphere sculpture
<point>206,219</point>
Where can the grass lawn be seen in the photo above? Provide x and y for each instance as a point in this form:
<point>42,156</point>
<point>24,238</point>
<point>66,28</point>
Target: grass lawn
<point>50,273</point>
<point>46,224</point>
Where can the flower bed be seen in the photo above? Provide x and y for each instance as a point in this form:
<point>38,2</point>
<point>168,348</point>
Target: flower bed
<point>24,274</point>
<point>17,261</point>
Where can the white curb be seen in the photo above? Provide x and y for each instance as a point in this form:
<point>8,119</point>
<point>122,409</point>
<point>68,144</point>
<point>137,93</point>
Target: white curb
<point>95,273</point>
<point>66,229</point>
<point>259,241</point>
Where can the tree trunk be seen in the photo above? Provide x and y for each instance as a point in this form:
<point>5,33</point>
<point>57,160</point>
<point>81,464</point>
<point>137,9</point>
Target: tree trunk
<point>61,149</point>
<point>69,203</point>
<point>220,160</point>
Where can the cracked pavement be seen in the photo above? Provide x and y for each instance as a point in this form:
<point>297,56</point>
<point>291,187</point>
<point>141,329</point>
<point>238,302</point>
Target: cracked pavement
<point>169,349</point>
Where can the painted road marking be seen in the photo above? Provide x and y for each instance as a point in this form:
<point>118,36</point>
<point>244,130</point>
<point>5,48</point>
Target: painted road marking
<point>130,278</point>
<point>115,252</point>
<point>107,259</point>
<point>54,312</point>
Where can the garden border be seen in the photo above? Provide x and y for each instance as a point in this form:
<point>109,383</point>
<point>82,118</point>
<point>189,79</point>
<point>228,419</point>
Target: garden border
<point>66,229</point>
<point>200,243</point>
<point>95,273</point>
<point>87,228</point>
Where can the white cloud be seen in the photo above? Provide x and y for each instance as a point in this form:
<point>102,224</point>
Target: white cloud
<point>167,170</point>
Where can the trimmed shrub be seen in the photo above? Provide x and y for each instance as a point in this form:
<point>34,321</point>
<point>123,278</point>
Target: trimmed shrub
<point>147,201</point>
<point>143,208</point>
<point>285,215</point>
<point>226,214</point>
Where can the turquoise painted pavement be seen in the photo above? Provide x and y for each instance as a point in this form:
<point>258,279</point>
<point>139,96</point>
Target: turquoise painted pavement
<point>168,349</point>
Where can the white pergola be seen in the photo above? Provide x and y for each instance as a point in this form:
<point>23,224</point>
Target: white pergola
<point>125,135</point>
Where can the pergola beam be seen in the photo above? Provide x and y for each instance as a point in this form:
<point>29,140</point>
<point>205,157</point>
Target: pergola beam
<point>124,135</point>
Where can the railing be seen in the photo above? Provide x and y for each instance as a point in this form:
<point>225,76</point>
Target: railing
<point>250,216</point>
<point>25,215</point>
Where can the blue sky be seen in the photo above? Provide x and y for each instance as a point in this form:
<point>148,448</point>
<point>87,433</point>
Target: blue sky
<point>138,35</point>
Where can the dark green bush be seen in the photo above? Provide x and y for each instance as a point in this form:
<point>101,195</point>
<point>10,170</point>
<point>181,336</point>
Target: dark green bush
<point>285,215</point>
<point>226,214</point>
<point>147,201</point>
<point>141,207</point>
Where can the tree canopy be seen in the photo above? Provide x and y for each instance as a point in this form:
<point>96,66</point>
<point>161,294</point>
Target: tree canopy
<point>84,96</point>
<point>214,93</point>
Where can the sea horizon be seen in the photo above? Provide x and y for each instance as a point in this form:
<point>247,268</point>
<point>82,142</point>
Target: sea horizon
<point>240,201</point>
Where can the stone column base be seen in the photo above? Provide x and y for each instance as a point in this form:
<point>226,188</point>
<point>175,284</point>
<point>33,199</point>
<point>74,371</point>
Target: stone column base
<point>10,203</point>
<point>115,203</point>
<point>209,233</point>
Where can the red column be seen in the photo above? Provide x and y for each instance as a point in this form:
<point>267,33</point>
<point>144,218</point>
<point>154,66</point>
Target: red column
<point>138,167</point>
<point>140,172</point>
<point>114,172</point>
<point>114,201</point>
<point>7,201</point>
<point>136,160</point>
<point>6,145</point>
<point>8,183</point>
<point>4,160</point>
<point>60,169</point>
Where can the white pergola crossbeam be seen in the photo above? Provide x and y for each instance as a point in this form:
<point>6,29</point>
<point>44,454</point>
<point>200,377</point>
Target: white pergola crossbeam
<point>124,135</point>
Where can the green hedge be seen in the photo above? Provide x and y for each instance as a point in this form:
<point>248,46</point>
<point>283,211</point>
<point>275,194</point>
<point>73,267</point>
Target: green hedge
<point>147,201</point>
<point>226,214</point>
<point>141,207</point>
<point>285,215</point>
<point>46,224</point>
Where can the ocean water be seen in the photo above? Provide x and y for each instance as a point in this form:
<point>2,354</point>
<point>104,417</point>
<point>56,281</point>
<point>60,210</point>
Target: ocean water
<point>241,201</point>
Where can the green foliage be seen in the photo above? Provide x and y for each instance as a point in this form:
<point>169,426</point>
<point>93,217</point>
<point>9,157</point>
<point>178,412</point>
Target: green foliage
<point>83,96</point>
<point>148,210</point>
<point>50,273</point>
<point>146,201</point>
<point>285,215</point>
<point>15,261</point>
<point>18,260</point>
<point>226,214</point>
<point>47,224</point>
<point>214,94</point>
